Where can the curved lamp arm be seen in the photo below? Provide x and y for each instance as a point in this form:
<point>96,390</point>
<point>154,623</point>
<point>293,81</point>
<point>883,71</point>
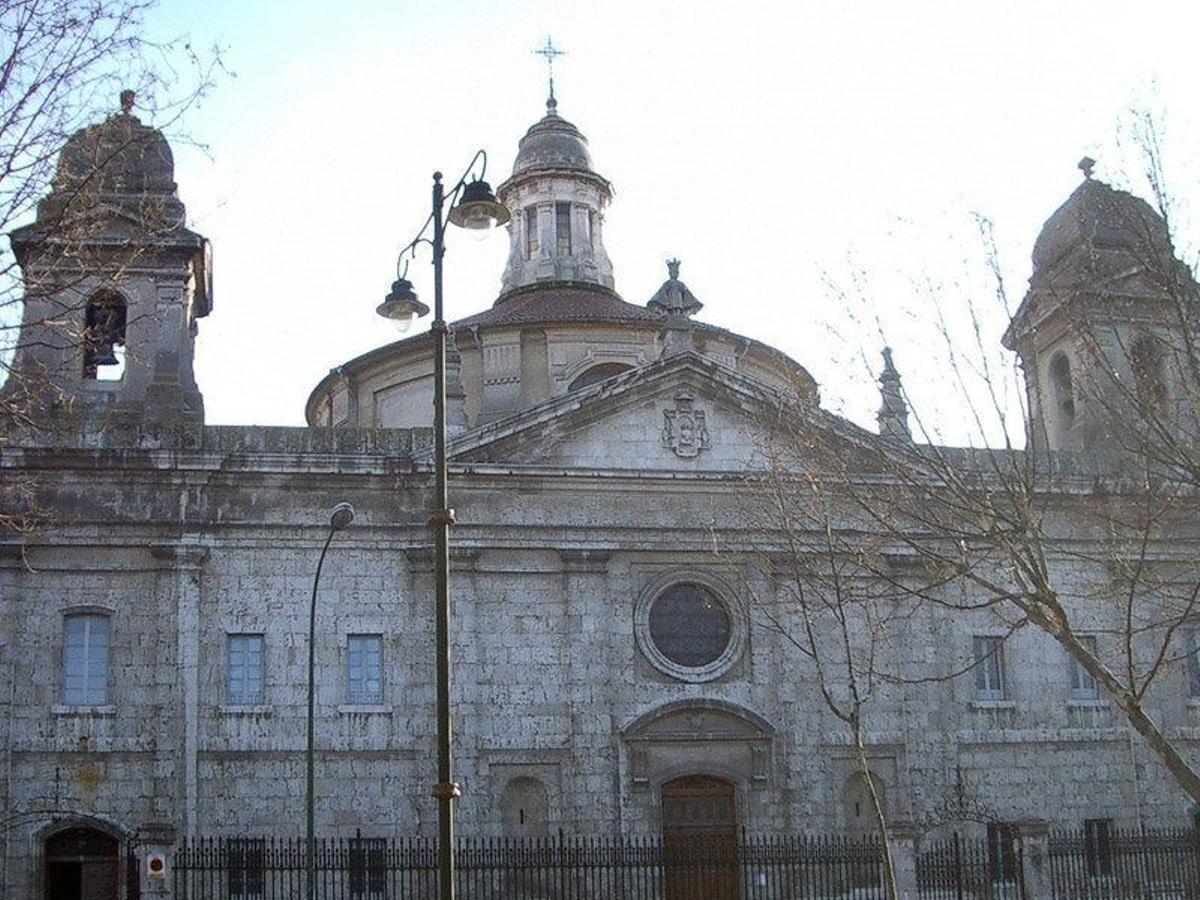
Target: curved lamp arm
<point>451,197</point>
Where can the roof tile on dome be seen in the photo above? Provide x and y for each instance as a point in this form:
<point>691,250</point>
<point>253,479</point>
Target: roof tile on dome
<point>120,154</point>
<point>559,302</point>
<point>120,163</point>
<point>552,143</point>
<point>1100,217</point>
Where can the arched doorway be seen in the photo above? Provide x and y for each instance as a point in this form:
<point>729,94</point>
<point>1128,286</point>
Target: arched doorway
<point>81,864</point>
<point>699,819</point>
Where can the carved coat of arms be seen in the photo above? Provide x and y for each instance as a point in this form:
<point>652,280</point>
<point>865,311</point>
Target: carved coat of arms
<point>684,430</point>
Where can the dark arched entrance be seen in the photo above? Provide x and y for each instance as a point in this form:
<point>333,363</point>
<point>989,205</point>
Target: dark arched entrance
<point>81,864</point>
<point>699,816</point>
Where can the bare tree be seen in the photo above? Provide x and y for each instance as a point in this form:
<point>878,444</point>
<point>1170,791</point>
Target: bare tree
<point>832,614</point>
<point>1084,524</point>
<point>63,64</point>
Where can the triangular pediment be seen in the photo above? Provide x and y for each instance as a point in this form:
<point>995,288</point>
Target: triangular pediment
<point>684,414</point>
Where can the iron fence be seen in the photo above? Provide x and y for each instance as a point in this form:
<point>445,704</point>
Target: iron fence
<point>1103,863</point>
<point>765,867</point>
<point>1096,863</point>
<point>971,869</point>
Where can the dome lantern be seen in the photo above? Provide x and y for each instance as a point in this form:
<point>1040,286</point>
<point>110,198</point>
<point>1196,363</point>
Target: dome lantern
<point>557,203</point>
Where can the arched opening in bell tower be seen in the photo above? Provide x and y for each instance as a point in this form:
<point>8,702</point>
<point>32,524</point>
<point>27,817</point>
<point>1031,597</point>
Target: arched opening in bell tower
<point>104,321</point>
<point>1147,359</point>
<point>1062,398</point>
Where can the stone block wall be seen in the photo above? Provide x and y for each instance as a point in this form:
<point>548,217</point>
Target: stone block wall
<point>556,702</point>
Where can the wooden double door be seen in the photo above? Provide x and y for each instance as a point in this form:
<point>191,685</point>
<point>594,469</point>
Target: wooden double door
<point>700,850</point>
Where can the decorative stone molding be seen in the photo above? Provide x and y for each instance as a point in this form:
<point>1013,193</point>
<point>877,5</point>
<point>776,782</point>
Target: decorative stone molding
<point>707,735</point>
<point>685,431</point>
<point>462,558</point>
<point>584,559</point>
<point>180,556</point>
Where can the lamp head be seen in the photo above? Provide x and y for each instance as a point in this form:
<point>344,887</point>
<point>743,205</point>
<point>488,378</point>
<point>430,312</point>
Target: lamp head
<point>478,209</point>
<point>341,516</point>
<point>401,304</point>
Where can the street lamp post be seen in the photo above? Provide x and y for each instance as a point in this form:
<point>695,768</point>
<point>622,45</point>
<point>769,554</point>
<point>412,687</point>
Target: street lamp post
<point>472,206</point>
<point>339,517</point>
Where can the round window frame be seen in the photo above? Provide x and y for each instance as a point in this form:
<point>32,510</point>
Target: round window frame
<point>733,611</point>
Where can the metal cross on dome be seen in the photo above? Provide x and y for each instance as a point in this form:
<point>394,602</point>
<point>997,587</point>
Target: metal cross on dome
<point>550,52</point>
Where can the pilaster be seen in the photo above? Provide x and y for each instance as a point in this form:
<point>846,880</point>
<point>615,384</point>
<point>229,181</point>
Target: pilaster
<point>1035,859</point>
<point>592,736</point>
<point>902,846</point>
<point>181,568</point>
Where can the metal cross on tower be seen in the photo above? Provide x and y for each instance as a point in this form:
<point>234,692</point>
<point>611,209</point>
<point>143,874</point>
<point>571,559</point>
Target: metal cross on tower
<point>550,52</point>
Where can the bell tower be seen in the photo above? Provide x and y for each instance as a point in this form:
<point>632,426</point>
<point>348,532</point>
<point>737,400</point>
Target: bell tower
<point>114,284</point>
<point>1104,331</point>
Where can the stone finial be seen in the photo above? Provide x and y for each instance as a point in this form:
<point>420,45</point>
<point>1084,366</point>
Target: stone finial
<point>1086,165</point>
<point>893,410</point>
<point>128,99</point>
<point>674,298</point>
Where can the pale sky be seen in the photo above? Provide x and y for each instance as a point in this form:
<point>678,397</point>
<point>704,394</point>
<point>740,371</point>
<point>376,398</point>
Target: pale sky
<point>774,147</point>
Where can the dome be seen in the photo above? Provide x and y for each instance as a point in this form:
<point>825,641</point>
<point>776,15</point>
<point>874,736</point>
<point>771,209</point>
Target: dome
<point>118,163</point>
<point>119,155</point>
<point>1098,217</point>
<point>552,143</point>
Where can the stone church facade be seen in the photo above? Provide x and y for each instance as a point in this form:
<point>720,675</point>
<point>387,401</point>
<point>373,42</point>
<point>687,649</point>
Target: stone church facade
<point>153,627</point>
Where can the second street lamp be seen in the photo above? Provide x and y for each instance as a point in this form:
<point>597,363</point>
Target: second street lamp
<point>340,517</point>
<point>475,207</point>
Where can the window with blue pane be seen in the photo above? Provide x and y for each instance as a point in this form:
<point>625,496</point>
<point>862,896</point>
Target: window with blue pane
<point>244,665</point>
<point>989,667</point>
<point>85,659</point>
<point>1083,684</point>
<point>1193,663</point>
<point>364,668</point>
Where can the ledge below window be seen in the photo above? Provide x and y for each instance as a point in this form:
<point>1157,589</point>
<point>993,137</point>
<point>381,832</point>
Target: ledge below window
<point>105,710</point>
<point>1086,703</point>
<point>252,709</point>
<point>365,709</point>
<point>993,704</point>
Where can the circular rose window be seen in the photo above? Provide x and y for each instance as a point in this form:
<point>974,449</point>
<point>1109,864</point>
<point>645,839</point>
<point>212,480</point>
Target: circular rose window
<point>689,626</point>
<point>688,629</point>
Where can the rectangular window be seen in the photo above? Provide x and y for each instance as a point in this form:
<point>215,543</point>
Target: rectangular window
<point>364,669</point>
<point>989,667</point>
<point>85,660</point>
<point>531,232</point>
<point>1193,663</point>
<point>244,869</point>
<point>1002,851</point>
<point>591,235</point>
<point>1083,685</point>
<point>1097,846</point>
<point>244,661</point>
<point>562,227</point>
<point>367,861</point>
